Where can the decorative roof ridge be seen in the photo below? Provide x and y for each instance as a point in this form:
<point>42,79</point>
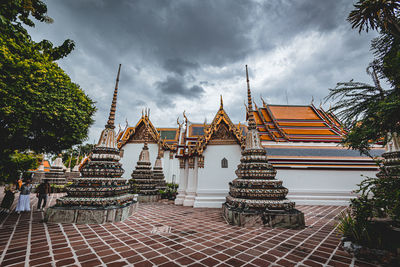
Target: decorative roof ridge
<point>220,117</point>
<point>130,131</point>
<point>274,121</point>
<point>329,123</point>
<point>331,116</point>
<point>271,135</point>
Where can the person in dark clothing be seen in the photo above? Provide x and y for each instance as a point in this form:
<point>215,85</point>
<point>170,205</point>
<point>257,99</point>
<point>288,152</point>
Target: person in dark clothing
<point>43,190</point>
<point>8,198</point>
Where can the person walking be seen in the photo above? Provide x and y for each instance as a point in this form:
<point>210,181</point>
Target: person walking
<point>43,190</point>
<point>24,198</point>
<point>8,198</point>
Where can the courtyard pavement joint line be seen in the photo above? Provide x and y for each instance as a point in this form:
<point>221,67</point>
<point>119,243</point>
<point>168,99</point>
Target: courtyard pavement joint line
<point>46,230</point>
<point>9,240</point>
<point>28,245</point>
<point>74,256</point>
<point>265,241</point>
<point>296,234</point>
<point>111,247</point>
<point>311,235</point>
<point>89,246</point>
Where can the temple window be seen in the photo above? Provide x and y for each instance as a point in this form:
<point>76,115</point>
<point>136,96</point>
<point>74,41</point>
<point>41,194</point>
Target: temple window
<point>224,163</point>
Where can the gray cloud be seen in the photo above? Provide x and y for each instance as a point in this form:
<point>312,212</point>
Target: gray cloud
<point>183,54</point>
<point>176,86</point>
<point>179,66</point>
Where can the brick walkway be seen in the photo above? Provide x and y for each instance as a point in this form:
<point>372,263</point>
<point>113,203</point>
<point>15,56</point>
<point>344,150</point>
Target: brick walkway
<point>167,235</point>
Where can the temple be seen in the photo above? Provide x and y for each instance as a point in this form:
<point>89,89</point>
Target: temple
<point>100,195</point>
<point>143,181</point>
<point>255,197</point>
<point>302,143</point>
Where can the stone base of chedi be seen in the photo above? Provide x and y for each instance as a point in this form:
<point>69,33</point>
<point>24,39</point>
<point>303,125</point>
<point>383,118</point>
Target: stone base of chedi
<point>252,218</point>
<point>91,215</point>
<point>255,197</point>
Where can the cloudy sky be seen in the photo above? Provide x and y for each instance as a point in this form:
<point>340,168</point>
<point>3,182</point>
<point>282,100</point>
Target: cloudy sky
<point>182,55</point>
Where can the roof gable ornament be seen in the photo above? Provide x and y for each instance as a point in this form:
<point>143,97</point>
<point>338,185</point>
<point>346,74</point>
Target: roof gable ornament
<point>220,126</point>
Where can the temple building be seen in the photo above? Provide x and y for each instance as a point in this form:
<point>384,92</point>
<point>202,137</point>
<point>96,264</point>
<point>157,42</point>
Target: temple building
<point>100,195</point>
<point>302,143</point>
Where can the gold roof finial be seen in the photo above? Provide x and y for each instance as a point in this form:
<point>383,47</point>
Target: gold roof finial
<point>111,117</point>
<point>186,119</point>
<point>221,106</point>
<point>262,99</point>
<point>251,121</point>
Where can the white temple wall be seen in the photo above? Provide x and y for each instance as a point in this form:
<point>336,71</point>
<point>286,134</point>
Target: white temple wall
<point>183,182</point>
<point>170,168</point>
<point>212,184</point>
<point>321,187</point>
<point>131,157</point>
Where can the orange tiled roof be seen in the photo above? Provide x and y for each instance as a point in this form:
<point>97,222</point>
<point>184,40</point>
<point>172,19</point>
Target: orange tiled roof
<point>289,123</point>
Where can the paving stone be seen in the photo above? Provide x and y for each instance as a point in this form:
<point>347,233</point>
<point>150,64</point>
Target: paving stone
<point>198,237</point>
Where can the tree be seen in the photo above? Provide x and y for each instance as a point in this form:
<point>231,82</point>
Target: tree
<point>370,111</point>
<point>41,109</point>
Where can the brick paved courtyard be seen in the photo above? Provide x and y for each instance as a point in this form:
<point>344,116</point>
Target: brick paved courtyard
<point>166,235</point>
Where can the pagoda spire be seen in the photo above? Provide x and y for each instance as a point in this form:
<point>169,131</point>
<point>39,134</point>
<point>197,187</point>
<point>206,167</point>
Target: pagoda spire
<point>221,106</point>
<point>251,121</point>
<point>111,117</point>
<point>146,132</point>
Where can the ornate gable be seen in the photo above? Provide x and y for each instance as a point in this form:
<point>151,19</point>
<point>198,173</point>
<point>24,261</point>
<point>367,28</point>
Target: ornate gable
<point>220,131</point>
<point>136,134</point>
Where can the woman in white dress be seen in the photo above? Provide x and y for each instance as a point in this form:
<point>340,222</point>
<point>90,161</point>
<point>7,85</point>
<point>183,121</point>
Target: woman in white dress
<point>24,198</point>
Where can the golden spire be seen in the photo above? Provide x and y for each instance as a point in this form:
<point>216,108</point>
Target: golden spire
<point>221,106</point>
<point>251,122</point>
<point>111,118</point>
<point>146,134</point>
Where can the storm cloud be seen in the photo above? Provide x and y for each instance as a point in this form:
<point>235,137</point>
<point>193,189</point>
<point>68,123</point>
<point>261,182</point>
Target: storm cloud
<point>182,55</point>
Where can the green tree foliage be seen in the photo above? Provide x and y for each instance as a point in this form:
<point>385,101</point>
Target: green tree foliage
<point>16,164</point>
<point>72,154</point>
<point>370,111</point>
<point>41,109</point>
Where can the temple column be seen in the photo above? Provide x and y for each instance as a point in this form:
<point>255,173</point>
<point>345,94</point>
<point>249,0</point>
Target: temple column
<point>192,183</point>
<point>183,181</point>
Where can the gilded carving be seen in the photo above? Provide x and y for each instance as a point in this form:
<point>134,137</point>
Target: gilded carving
<point>200,161</point>
<point>191,162</point>
<point>181,163</point>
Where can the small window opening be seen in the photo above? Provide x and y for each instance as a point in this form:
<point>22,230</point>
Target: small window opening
<point>224,163</point>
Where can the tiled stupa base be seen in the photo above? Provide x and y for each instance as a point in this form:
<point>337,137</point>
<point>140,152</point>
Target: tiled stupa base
<point>89,215</point>
<point>148,198</point>
<point>293,219</point>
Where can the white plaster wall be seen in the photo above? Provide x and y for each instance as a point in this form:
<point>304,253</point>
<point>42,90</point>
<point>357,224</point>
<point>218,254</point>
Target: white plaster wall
<point>212,185</point>
<point>170,167</point>
<point>321,187</point>
<point>131,156</point>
